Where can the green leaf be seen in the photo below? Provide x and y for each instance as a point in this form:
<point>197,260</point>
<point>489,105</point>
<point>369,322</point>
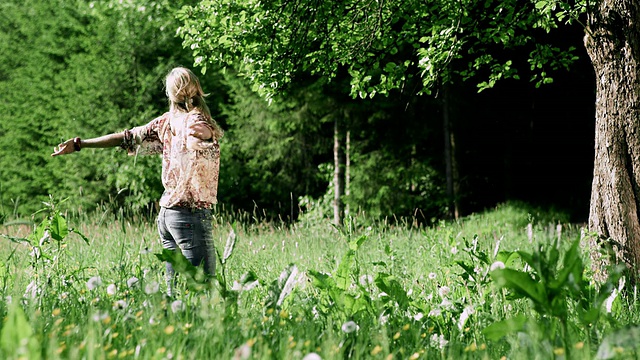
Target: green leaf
<point>390,285</point>
<point>58,227</point>
<point>521,283</point>
<point>497,330</point>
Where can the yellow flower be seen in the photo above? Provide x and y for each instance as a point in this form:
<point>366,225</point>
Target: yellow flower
<point>558,351</point>
<point>113,353</point>
<point>376,350</point>
<point>483,346</point>
<point>389,357</point>
<point>618,349</point>
<point>579,345</point>
<point>169,329</point>
<point>396,336</point>
<point>162,350</point>
<point>406,327</point>
<point>56,312</point>
<point>414,356</point>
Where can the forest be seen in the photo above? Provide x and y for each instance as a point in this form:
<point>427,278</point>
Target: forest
<point>80,68</point>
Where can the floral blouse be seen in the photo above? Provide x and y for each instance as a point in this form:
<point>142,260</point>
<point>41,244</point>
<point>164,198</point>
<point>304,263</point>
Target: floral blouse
<point>190,166</point>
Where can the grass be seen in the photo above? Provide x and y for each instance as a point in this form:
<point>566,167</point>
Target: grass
<point>431,308</point>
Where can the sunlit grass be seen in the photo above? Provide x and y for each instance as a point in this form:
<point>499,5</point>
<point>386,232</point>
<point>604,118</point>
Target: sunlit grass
<point>106,299</point>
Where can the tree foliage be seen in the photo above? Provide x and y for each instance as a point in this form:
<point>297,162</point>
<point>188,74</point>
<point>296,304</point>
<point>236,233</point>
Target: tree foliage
<point>383,45</point>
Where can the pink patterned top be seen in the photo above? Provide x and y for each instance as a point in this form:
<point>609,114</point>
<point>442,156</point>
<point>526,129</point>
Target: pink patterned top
<point>190,166</point>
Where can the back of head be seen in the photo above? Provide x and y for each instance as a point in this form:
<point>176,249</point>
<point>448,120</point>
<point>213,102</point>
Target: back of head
<point>185,93</point>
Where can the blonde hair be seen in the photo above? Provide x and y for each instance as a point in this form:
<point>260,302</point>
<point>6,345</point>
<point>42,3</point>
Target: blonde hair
<point>186,95</point>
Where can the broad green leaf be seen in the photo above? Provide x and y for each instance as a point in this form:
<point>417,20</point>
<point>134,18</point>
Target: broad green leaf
<point>521,283</point>
<point>497,330</point>
<point>58,227</point>
<point>390,285</point>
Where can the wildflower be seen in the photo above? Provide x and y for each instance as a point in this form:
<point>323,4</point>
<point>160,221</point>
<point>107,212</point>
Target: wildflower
<point>438,341</point>
<point>99,316</point>
<point>435,312</point>
<point>454,250</point>
<point>350,326</point>
<point>366,280</point>
<point>383,319</point>
<point>35,252</point>
<point>432,276</point>
<point>446,304</point>
<point>177,306</point>
<point>418,316</point>
<point>464,316</point>
<point>152,287</point>
<point>32,290</point>
<point>376,350</point>
<point>120,305</point>
<point>111,289</point>
<point>243,352</point>
<point>133,281</point>
<point>169,329</point>
<point>444,291</point>
<point>94,282</point>
<point>497,265</point>
<point>312,356</point>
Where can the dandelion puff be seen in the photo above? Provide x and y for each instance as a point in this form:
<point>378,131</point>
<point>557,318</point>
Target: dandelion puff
<point>365,280</point>
<point>120,305</point>
<point>497,265</point>
<point>432,275</point>
<point>418,316</point>
<point>94,282</point>
<point>133,281</point>
<point>444,291</point>
<point>312,356</point>
<point>350,326</point>
<point>177,306</point>
<point>152,287</point>
<point>454,250</point>
<point>446,304</point>
<point>111,289</point>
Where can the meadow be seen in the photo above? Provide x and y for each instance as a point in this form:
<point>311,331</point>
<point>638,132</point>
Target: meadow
<point>511,283</point>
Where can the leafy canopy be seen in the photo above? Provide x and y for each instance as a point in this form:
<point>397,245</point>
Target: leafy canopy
<point>383,45</point>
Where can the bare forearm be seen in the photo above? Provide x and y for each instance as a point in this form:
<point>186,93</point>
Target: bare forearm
<point>106,141</point>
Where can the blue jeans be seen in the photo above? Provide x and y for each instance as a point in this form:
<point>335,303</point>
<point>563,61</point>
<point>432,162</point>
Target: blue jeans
<point>189,230</point>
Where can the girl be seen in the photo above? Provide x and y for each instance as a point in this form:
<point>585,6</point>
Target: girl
<point>187,137</point>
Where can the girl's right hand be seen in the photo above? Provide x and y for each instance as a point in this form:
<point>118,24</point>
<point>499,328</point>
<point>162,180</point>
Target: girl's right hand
<point>64,148</point>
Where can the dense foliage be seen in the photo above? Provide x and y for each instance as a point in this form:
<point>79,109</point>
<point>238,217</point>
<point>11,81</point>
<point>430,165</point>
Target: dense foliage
<point>89,68</point>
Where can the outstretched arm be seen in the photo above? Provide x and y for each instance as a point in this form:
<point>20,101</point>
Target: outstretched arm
<point>76,144</point>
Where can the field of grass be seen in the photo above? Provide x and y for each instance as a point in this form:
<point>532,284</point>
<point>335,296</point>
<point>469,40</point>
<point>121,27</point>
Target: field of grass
<point>511,283</point>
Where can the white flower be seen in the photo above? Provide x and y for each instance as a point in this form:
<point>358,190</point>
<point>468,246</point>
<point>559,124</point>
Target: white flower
<point>383,319</point>
<point>432,276</point>
<point>32,290</point>
<point>35,252</point>
<point>153,321</point>
<point>366,280</point>
<point>243,352</point>
<point>177,306</point>
<point>446,304</point>
<point>435,312</point>
<point>464,316</point>
<point>608,304</point>
<point>350,326</point>
<point>444,291</point>
<point>418,316</point>
<point>133,281</point>
<point>111,289</point>
<point>454,250</point>
<point>152,287</point>
<point>497,265</point>
<point>312,356</point>
<point>99,316</point>
<point>120,305</point>
<point>410,292</point>
<point>438,341</point>
<point>94,282</point>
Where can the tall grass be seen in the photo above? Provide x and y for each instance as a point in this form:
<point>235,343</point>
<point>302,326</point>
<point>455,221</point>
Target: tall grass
<point>376,291</point>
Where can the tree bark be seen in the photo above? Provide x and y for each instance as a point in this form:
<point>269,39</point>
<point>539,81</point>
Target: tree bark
<point>613,44</point>
<point>451,165</point>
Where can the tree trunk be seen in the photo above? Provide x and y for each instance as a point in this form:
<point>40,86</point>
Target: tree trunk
<point>451,166</point>
<point>613,44</point>
<point>337,193</point>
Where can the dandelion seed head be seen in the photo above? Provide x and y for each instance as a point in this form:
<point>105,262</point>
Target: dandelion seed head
<point>94,282</point>
<point>497,265</point>
<point>133,281</point>
<point>350,326</point>
<point>152,287</point>
<point>111,289</point>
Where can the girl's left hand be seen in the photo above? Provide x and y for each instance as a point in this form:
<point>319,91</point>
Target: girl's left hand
<point>64,148</point>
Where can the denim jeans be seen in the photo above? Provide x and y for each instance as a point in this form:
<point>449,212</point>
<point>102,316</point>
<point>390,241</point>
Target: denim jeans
<point>189,230</point>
